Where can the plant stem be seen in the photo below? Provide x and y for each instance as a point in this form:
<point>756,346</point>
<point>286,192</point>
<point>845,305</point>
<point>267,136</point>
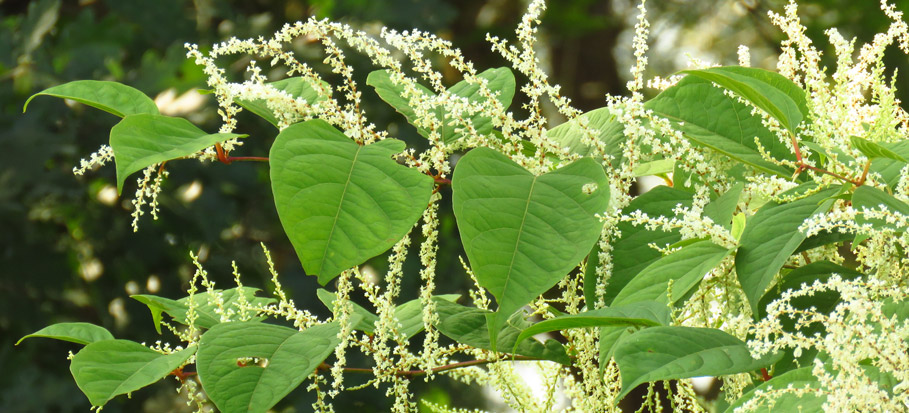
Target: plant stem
<point>247,158</point>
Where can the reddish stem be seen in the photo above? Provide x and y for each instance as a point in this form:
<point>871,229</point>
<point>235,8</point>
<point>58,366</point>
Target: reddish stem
<point>765,375</point>
<point>247,158</point>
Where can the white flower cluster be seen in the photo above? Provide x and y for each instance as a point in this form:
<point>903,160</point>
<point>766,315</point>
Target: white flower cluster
<point>865,339</point>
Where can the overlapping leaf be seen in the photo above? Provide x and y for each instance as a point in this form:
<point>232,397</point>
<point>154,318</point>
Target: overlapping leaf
<point>867,197</point>
<point>523,233</point>
<point>873,150</point>
<point>683,268</point>
<point>609,131</point>
<point>773,396</point>
<point>632,252</point>
<point>207,307</point>
<point>341,203</point>
<point>667,353</point>
<point>108,368</point>
<point>296,87</point>
<point>79,333</point>
<point>468,325</point>
<point>712,119</point>
<point>285,357</point>
<point>409,314</point>
<point>143,140</point>
<point>639,314</point>
<point>769,91</point>
<point>111,97</point>
<point>772,235</point>
<point>499,80</point>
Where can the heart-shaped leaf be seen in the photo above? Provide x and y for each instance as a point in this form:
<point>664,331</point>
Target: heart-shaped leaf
<point>111,97</point>
<point>283,357</point>
<point>523,233</point>
<point>668,353</point>
<point>105,369</point>
<point>79,333</point>
<point>140,141</point>
<point>341,203</point>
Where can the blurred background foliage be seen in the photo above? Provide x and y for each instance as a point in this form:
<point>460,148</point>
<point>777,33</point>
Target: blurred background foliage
<point>67,251</point>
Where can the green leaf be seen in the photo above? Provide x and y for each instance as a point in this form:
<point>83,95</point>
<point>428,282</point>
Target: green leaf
<point>523,233</point>
<point>286,357</point>
<point>873,150</point>
<point>867,197</point>
<point>112,97</point>
<point>367,323</point>
<point>79,333</point>
<point>822,302</point>
<point>684,268</point>
<point>722,209</point>
<point>772,235</point>
<point>669,353</point>
<point>498,80</point>
<point>590,276</point>
<point>775,389</point>
<point>468,325</point>
<point>645,314</point>
<point>631,251</point>
<point>659,167</point>
<point>140,141</point>
<point>108,368</point>
<point>409,314</point>
<point>769,91</point>
<point>888,168</point>
<point>296,87</point>
<point>609,131</point>
<point>341,203</point>
<point>710,118</point>
<point>206,305</point>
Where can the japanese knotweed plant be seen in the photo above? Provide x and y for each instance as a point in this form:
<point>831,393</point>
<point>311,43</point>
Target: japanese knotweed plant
<point>775,257</point>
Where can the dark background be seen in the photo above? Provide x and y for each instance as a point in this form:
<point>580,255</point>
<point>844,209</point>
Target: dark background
<point>55,229</point>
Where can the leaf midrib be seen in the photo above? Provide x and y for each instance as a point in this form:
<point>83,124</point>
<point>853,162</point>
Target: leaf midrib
<point>517,243</point>
<point>334,223</point>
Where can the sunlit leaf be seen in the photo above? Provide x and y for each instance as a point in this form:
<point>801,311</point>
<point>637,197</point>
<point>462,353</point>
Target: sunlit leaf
<point>668,353</point>
<point>770,91</point>
<point>108,368</point>
<point>79,333</point>
<point>140,141</point>
<point>285,358</point>
<point>341,203</point>
<point>111,97</point>
<point>523,233</point>
<point>499,80</point>
<point>773,396</point>
<point>297,87</point>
